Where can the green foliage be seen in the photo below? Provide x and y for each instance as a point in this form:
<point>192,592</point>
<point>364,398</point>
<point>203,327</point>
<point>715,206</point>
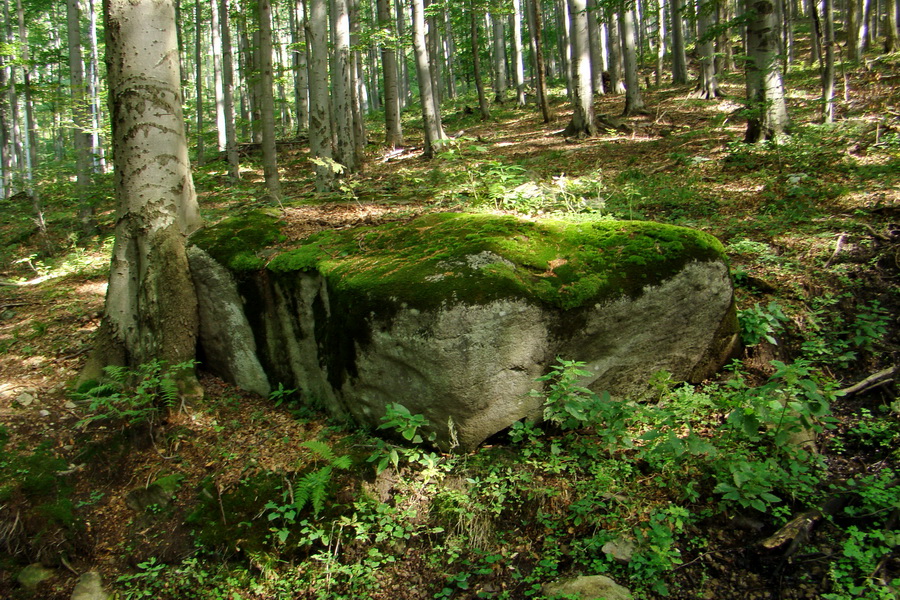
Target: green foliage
<point>758,323</point>
<point>833,339</point>
<point>398,419</point>
<point>132,397</point>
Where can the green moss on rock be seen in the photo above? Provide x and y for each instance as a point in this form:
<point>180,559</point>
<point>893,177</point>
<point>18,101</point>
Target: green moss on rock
<point>237,241</point>
<point>478,258</point>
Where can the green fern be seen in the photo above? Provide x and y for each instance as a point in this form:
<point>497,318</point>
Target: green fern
<point>313,488</point>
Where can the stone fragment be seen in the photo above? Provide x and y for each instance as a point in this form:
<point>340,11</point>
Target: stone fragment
<point>587,587</point>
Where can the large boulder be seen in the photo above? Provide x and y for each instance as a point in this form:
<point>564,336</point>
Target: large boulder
<point>455,315</point>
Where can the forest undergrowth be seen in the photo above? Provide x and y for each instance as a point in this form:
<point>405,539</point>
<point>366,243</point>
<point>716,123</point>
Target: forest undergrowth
<point>776,479</point>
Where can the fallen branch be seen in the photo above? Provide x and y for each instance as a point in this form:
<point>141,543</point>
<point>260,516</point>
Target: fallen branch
<point>872,381</point>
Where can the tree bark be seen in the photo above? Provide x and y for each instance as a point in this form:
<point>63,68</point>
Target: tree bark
<point>828,71</point>
<point>891,35</point>
<point>499,54</point>
<point>393,136</point>
<point>541,71</point>
<point>595,41</point>
<point>198,79</point>
<point>217,74</point>
<point>342,80</point>
<point>582,123</point>
<point>679,59</point>
<point>634,102</point>
<point>80,119</point>
<point>483,106</point>
<point>151,304</point>
<point>615,55</point>
<point>234,166</point>
<point>430,111</point>
<point>765,91</point>
<point>707,84</point>
<point>319,95</point>
<point>518,60</point>
<point>267,102</point>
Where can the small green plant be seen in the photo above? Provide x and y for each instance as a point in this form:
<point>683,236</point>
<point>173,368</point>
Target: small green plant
<point>758,323</point>
<point>132,397</point>
<point>408,426</point>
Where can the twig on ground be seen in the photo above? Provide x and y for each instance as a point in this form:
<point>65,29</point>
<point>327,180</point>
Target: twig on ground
<point>837,249</point>
<point>872,381</point>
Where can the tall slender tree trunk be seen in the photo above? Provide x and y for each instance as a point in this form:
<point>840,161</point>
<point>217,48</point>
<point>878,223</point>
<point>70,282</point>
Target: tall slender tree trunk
<point>864,28</point>
<point>218,86</point>
<point>707,84</point>
<point>582,123</point>
<point>679,59</point>
<point>392,125</point>
<point>765,91</point>
<point>267,101</point>
<point>81,120</point>
<point>151,304</point>
<point>595,41</point>
<point>301,82</point>
<point>518,60</point>
<point>401,53</point>
<point>634,102</point>
<point>450,53</point>
<point>30,137</point>
<point>6,159</point>
<point>541,71</point>
<point>231,153</point>
<point>198,75</point>
<point>815,50</point>
<point>828,71</point>
<point>342,80</point>
<point>476,63</point>
<point>615,54</point>
<point>564,45</point>
<point>430,111</point>
<point>660,38</point>
<point>499,54</point>
<point>319,95</point>
<point>891,35</point>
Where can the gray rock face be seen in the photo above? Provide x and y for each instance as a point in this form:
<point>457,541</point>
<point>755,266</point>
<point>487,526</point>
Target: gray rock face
<point>588,587</point>
<point>224,331</point>
<point>89,587</point>
<point>466,363</point>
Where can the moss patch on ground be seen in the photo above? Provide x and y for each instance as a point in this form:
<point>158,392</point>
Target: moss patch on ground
<point>237,241</point>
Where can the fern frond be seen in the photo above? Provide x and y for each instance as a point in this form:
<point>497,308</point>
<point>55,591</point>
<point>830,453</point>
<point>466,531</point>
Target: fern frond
<point>169,390</point>
<point>312,489</point>
<point>320,449</point>
<point>116,373</point>
<point>342,462</point>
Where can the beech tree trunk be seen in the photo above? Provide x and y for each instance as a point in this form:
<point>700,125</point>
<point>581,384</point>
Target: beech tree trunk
<point>267,101</point>
<point>582,123</point>
<point>679,59</point>
<point>615,55</point>
<point>518,60</point>
<point>430,110</point>
<point>765,91</point>
<point>217,75</point>
<point>634,102</point>
<point>595,42</point>
<point>499,54</point>
<point>483,106</point>
<point>151,304</point>
<point>319,95</point>
<point>234,166</point>
<point>393,130</point>
<point>81,121</point>
<point>828,71</point>
<point>707,84</point>
<point>198,79</point>
<point>541,71</point>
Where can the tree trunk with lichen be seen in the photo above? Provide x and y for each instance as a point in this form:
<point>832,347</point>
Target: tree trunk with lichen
<point>151,305</point>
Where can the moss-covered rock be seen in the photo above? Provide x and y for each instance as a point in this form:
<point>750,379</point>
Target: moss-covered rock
<point>455,315</point>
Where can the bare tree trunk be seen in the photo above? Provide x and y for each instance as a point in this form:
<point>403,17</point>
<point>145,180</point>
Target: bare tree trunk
<point>615,55</point>
<point>430,111</point>
<point>518,60</point>
<point>234,167</point>
<point>342,80</point>
<point>30,137</point>
<point>815,53</point>
<point>151,304</point>
<point>301,82</point>
<point>864,29</point>
<point>319,96</point>
<point>582,123</point>
<point>891,35</point>
<point>499,54</point>
<point>198,82</point>
<point>595,41</point>
<point>476,63</point>
<point>707,84</point>
<point>765,91</point>
<point>392,126</point>
<point>634,102</point>
<point>679,60</point>
<point>660,39</point>
<point>81,121</point>
<point>217,75</point>
<point>267,101</point>
<point>828,71</point>
<point>538,43</point>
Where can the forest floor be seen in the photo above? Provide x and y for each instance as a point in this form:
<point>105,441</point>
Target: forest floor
<point>811,231</point>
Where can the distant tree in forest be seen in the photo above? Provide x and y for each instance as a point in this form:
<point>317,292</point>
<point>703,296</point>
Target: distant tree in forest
<point>768,118</point>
